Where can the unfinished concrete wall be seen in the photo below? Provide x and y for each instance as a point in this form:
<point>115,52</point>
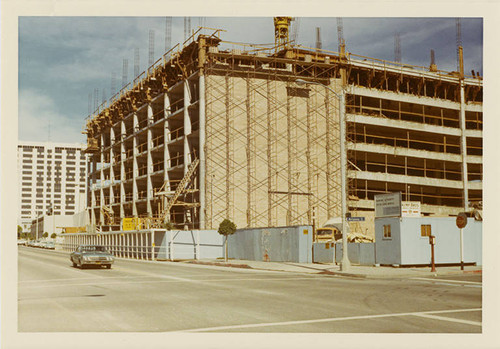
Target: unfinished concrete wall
<point>272,152</point>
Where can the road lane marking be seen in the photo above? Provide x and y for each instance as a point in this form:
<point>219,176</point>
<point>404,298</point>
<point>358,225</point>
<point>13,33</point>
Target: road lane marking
<point>109,277</point>
<point>456,283</point>
<point>301,322</point>
<point>452,281</point>
<point>435,317</point>
<point>175,279</point>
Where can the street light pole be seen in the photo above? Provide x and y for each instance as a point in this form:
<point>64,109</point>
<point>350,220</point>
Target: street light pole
<point>345,263</point>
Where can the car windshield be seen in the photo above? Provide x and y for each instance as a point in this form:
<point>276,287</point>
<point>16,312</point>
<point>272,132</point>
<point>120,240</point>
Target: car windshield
<point>94,249</point>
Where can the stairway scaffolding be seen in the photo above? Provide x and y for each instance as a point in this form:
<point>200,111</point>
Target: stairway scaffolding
<point>181,188</point>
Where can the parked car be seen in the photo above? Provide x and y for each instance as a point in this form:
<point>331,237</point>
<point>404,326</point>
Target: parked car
<point>50,245</point>
<point>91,255</point>
<point>21,242</point>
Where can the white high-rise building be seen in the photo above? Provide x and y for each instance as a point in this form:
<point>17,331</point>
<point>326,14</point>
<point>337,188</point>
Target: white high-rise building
<point>50,174</point>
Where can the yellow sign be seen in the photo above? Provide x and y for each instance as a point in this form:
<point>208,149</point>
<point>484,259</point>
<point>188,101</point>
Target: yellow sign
<point>306,232</point>
<point>133,223</point>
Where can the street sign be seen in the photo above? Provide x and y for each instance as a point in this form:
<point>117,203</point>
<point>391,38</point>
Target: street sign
<point>355,219</point>
<point>461,220</point>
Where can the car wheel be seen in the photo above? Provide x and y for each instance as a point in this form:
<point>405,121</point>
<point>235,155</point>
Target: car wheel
<point>80,264</point>
<point>74,264</point>
<point>108,266</point>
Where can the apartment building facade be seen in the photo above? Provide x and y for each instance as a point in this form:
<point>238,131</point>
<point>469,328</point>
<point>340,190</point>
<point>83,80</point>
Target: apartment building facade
<point>50,175</point>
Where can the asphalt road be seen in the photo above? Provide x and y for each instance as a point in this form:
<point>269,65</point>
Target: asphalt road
<point>140,296</point>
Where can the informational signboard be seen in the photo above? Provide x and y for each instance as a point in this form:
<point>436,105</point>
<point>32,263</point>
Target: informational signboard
<point>410,209</point>
<point>388,205</point>
<point>132,223</point>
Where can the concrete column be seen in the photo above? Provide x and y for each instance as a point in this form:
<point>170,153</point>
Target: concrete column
<point>111,171</point>
<point>101,174</point>
<point>93,190</point>
<point>187,126</point>
<point>202,169</point>
<point>123,132</point>
<point>166,154</point>
<point>463,146</point>
<point>135,169</point>
<point>149,163</point>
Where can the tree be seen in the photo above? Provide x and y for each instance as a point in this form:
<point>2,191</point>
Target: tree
<point>226,228</point>
<point>53,236</point>
<point>45,234</point>
<point>19,231</point>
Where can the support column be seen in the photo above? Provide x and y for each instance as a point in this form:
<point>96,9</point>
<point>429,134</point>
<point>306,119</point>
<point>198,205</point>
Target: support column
<point>149,185</point>
<point>187,126</point>
<point>202,165</point>
<point>111,171</point>
<point>101,174</point>
<point>463,147</point>
<point>135,169</point>
<point>166,153</point>
<point>93,194</point>
<point>123,155</point>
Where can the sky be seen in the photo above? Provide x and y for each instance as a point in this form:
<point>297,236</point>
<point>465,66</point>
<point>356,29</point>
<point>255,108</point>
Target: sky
<point>64,59</point>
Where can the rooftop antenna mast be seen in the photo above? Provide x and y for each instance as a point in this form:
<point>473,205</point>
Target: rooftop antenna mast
<point>397,48</point>
<point>113,83</point>
<point>202,21</point>
<point>318,39</point>
<point>460,52</point>
<point>136,62</point>
<point>187,27</point>
<point>295,30</point>
<point>168,33</point>
<point>90,103</point>
<point>125,72</point>
<point>340,33</point>
<point>433,66</point>
<point>151,47</point>
<point>96,98</point>
<point>341,40</point>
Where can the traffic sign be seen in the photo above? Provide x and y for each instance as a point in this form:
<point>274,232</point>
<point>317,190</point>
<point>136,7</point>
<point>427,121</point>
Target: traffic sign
<point>461,220</point>
<point>355,219</point>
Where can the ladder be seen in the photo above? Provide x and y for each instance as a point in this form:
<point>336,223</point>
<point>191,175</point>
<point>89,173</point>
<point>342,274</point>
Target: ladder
<point>181,186</point>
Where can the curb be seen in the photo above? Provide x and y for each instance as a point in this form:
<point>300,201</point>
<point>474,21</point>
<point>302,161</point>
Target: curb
<point>359,276</point>
<point>229,265</point>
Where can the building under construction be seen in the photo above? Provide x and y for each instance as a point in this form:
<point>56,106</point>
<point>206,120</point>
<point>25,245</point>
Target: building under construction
<point>207,134</point>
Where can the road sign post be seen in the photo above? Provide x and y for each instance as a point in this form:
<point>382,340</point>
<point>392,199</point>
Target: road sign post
<point>461,223</point>
<point>432,242</point>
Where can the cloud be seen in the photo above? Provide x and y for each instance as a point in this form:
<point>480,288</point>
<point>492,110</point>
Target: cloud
<point>37,111</point>
<point>64,59</point>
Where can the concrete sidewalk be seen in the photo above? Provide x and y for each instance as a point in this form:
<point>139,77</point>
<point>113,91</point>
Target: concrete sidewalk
<point>359,271</point>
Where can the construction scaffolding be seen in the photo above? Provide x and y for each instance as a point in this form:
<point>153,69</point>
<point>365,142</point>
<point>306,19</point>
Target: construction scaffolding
<point>207,134</point>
